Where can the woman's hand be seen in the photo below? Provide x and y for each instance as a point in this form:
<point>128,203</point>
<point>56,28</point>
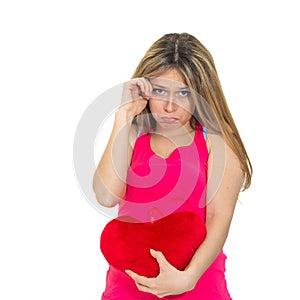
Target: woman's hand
<point>170,281</point>
<point>136,94</point>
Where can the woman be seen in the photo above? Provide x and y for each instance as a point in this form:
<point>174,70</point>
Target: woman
<point>173,102</point>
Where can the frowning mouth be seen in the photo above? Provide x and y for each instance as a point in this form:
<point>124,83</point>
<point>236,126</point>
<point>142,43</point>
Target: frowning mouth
<point>168,120</point>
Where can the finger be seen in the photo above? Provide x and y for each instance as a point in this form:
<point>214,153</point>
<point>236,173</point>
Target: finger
<point>130,91</point>
<point>143,288</point>
<point>158,255</point>
<point>137,88</point>
<point>149,87</point>
<point>140,280</point>
<point>145,88</point>
<point>143,284</point>
<point>161,260</point>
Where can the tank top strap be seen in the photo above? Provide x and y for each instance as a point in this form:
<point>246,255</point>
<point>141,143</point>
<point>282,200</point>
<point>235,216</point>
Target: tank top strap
<point>201,129</point>
<point>141,148</point>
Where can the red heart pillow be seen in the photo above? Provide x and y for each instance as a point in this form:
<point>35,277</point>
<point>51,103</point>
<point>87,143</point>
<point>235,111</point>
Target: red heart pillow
<point>126,244</point>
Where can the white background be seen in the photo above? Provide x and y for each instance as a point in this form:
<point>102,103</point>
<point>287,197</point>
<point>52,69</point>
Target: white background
<point>58,56</point>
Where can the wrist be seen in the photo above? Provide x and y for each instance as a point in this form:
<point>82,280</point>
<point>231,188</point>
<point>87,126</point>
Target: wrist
<point>123,117</point>
<point>192,275</point>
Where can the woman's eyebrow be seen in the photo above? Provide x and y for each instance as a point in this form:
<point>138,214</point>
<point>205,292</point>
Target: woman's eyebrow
<point>158,85</point>
<point>184,87</point>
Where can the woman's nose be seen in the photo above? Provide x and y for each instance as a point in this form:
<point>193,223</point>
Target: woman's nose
<point>170,106</point>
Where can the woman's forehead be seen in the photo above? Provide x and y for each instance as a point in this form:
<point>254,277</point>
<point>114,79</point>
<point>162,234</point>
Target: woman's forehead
<point>163,82</point>
<point>171,76</point>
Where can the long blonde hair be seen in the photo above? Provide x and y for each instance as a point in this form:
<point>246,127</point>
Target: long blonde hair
<point>186,54</point>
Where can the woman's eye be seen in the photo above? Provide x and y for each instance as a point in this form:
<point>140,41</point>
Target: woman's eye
<point>159,91</point>
<point>184,93</point>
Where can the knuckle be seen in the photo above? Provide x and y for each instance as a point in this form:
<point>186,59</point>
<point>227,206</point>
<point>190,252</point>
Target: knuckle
<point>153,286</point>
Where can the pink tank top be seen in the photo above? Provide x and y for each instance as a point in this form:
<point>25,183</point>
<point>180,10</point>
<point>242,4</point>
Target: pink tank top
<point>156,187</point>
<point>159,186</point>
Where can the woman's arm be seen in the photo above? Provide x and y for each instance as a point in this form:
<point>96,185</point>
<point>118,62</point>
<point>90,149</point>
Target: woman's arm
<point>109,182</point>
<point>220,210</point>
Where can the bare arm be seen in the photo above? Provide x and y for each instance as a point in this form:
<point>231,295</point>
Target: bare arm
<point>109,182</point>
<point>219,213</point>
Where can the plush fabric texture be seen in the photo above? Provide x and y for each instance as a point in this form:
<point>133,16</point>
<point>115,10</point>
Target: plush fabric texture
<point>126,243</point>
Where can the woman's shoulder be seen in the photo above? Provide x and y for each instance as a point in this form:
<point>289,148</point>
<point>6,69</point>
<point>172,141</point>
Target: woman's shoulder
<point>136,134</point>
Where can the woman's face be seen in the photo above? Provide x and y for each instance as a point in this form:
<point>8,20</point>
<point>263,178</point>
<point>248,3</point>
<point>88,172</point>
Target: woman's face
<point>170,102</point>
